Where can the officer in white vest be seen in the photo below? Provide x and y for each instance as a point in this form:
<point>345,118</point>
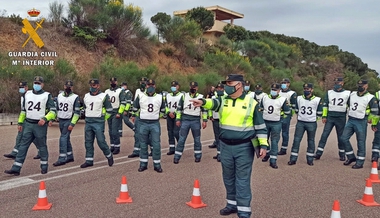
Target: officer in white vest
<point>274,107</point>
<point>38,109</point>
<point>247,86</point>
<point>172,100</point>
<point>118,102</point>
<point>188,117</point>
<point>151,106</point>
<point>68,104</point>
<point>335,106</point>
<point>23,88</point>
<point>140,91</point>
<point>308,108</point>
<point>292,98</point>
<point>98,109</point>
<point>214,117</point>
<point>259,93</point>
<point>363,108</point>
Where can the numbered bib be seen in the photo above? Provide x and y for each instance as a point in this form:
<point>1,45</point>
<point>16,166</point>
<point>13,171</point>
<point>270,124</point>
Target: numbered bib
<point>65,106</point>
<point>94,104</point>
<point>114,97</point>
<point>150,107</point>
<point>307,109</point>
<point>358,105</point>
<point>188,107</point>
<point>338,100</point>
<point>172,101</point>
<point>35,105</point>
<point>272,108</point>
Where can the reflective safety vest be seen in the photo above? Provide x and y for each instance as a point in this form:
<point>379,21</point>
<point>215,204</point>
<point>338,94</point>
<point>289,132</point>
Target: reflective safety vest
<point>238,117</point>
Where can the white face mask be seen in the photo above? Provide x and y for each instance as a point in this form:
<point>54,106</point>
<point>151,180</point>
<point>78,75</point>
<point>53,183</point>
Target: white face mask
<point>246,88</point>
<point>273,93</point>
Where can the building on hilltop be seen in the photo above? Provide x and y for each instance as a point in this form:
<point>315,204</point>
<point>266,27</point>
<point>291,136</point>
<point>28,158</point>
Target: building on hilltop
<point>220,16</point>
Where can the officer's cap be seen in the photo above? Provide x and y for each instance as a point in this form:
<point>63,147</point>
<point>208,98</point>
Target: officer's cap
<point>308,85</point>
<point>38,79</point>
<point>151,82</point>
<point>193,84</point>
<point>113,79</point>
<point>220,85</point>
<point>234,77</point>
<point>143,79</point>
<point>174,83</point>
<point>247,82</point>
<point>275,86</point>
<point>258,86</point>
<point>124,84</point>
<point>362,82</point>
<point>22,84</point>
<point>69,83</point>
<point>285,80</point>
<point>338,79</point>
<point>93,81</point>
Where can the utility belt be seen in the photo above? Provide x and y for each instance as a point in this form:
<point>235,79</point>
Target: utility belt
<point>31,120</point>
<point>235,141</point>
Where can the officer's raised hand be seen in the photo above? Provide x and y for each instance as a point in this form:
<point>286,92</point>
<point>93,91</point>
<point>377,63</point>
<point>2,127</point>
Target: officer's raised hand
<point>197,102</point>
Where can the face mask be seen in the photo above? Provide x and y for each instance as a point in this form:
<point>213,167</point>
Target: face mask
<point>142,85</point>
<point>37,87</point>
<point>150,89</point>
<point>246,88</point>
<point>93,89</point>
<point>230,89</point>
<point>337,86</point>
<point>113,85</point>
<point>258,92</point>
<point>21,90</point>
<point>173,88</point>
<point>306,93</point>
<point>361,89</point>
<point>220,92</point>
<point>193,91</point>
<point>284,86</point>
<point>68,90</point>
<point>273,93</point>
<point>122,88</point>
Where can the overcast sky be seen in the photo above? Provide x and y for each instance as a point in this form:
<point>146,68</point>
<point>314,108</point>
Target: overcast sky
<point>352,25</point>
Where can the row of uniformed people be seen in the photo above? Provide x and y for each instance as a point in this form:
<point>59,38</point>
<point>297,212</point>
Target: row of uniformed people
<point>360,105</point>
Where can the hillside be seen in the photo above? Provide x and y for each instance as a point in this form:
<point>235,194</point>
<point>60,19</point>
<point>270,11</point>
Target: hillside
<point>59,40</point>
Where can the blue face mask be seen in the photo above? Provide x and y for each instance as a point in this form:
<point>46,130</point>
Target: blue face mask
<point>122,88</point>
<point>246,88</point>
<point>37,87</point>
<point>284,86</point>
<point>220,92</point>
<point>93,89</point>
<point>150,89</point>
<point>306,93</point>
<point>273,93</point>
<point>21,90</point>
<point>173,88</point>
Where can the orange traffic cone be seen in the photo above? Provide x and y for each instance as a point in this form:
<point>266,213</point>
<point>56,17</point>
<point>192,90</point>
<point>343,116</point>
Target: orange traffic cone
<point>42,202</point>
<point>374,176</point>
<point>124,196</point>
<point>368,198</point>
<point>335,210</point>
<point>196,201</point>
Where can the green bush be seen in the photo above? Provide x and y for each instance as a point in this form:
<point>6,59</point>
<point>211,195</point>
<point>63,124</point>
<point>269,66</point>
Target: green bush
<point>87,36</point>
<point>167,51</point>
<point>16,19</point>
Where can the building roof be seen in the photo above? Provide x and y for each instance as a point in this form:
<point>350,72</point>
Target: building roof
<point>220,12</point>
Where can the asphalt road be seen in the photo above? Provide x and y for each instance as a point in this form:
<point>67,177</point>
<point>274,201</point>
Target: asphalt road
<point>289,191</point>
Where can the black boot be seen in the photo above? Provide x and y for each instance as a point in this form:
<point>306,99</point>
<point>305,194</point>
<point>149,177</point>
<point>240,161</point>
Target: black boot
<point>116,150</point>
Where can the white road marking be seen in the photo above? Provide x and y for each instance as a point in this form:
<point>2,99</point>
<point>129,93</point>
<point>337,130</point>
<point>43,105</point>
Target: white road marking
<point>23,181</point>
